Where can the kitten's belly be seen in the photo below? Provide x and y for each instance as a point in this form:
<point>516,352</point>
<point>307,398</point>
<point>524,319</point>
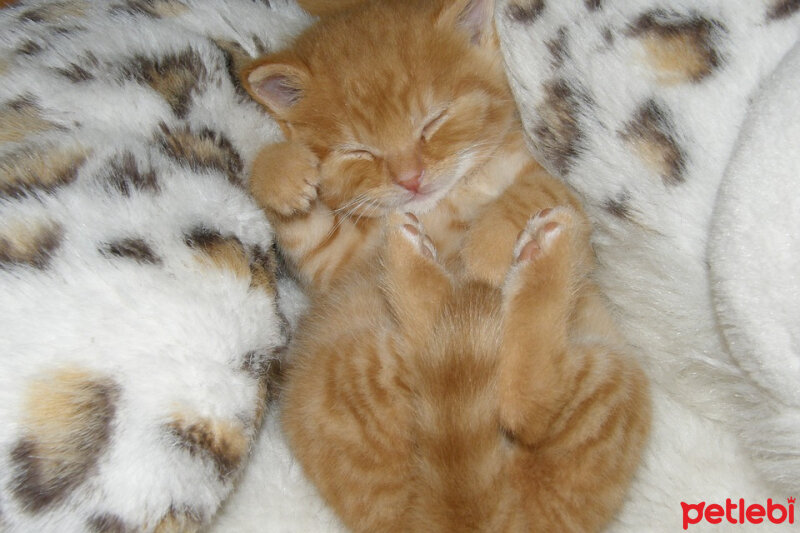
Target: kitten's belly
<point>447,224</point>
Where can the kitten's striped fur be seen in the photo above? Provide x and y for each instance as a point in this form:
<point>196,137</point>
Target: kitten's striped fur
<point>420,400</point>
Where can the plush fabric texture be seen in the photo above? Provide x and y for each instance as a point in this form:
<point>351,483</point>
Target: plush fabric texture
<point>676,122</point>
<point>754,266</point>
<point>139,282</point>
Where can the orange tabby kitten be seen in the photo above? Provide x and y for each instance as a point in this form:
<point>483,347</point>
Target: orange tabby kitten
<point>421,401</point>
<point>394,105</point>
<point>465,392</point>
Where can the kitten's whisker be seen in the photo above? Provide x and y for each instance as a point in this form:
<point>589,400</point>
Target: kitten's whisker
<point>367,204</point>
<point>371,205</point>
<point>350,208</point>
<point>359,198</point>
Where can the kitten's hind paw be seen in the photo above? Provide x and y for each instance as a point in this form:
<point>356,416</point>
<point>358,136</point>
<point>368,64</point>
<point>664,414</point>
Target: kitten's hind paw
<point>411,228</point>
<point>541,233</point>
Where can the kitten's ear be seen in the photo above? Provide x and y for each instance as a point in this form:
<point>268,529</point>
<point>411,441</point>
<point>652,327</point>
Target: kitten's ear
<point>474,16</point>
<point>278,86</point>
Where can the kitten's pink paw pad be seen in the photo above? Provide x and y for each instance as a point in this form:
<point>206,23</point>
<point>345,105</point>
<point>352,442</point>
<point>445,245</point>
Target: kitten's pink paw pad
<point>413,231</point>
<point>529,251</point>
<point>540,233</point>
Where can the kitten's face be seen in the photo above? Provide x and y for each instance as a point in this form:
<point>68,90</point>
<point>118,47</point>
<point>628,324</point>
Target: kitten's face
<point>399,100</point>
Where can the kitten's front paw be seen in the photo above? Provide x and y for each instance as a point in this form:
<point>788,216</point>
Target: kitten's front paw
<point>411,228</point>
<point>285,178</point>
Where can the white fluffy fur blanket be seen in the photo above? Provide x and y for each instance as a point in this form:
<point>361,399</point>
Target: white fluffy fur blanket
<point>136,286</point>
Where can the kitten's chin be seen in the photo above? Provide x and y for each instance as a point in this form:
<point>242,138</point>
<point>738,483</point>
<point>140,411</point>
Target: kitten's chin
<point>422,203</point>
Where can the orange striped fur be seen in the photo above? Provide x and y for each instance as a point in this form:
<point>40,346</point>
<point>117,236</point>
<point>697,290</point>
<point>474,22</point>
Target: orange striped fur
<point>421,400</point>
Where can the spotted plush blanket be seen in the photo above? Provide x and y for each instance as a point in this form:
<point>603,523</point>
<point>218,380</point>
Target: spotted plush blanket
<point>138,284</point>
<point>676,121</point>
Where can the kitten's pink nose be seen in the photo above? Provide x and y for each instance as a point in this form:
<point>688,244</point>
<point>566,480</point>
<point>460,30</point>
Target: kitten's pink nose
<point>410,180</point>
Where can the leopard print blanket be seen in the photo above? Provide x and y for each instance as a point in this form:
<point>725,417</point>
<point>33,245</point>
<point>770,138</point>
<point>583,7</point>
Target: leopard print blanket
<point>140,288</point>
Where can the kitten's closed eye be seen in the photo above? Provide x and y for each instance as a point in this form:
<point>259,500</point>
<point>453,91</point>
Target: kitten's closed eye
<point>356,153</point>
<point>433,124</point>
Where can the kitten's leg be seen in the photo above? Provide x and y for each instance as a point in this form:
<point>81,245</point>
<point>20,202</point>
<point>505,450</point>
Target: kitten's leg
<point>567,391</point>
<point>413,282</point>
<point>500,222</point>
<point>320,244</point>
<point>538,300</point>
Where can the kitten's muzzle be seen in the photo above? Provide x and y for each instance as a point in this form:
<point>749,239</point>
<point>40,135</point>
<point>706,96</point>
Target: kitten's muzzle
<point>411,180</point>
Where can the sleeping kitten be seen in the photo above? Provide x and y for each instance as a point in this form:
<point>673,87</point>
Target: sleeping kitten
<point>462,381</point>
<point>395,105</point>
<point>420,401</point>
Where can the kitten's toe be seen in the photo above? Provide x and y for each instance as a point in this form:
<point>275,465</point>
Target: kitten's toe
<point>304,198</point>
<point>541,232</point>
<point>412,229</point>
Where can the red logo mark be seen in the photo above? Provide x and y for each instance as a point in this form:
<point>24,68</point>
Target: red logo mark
<point>738,513</point>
